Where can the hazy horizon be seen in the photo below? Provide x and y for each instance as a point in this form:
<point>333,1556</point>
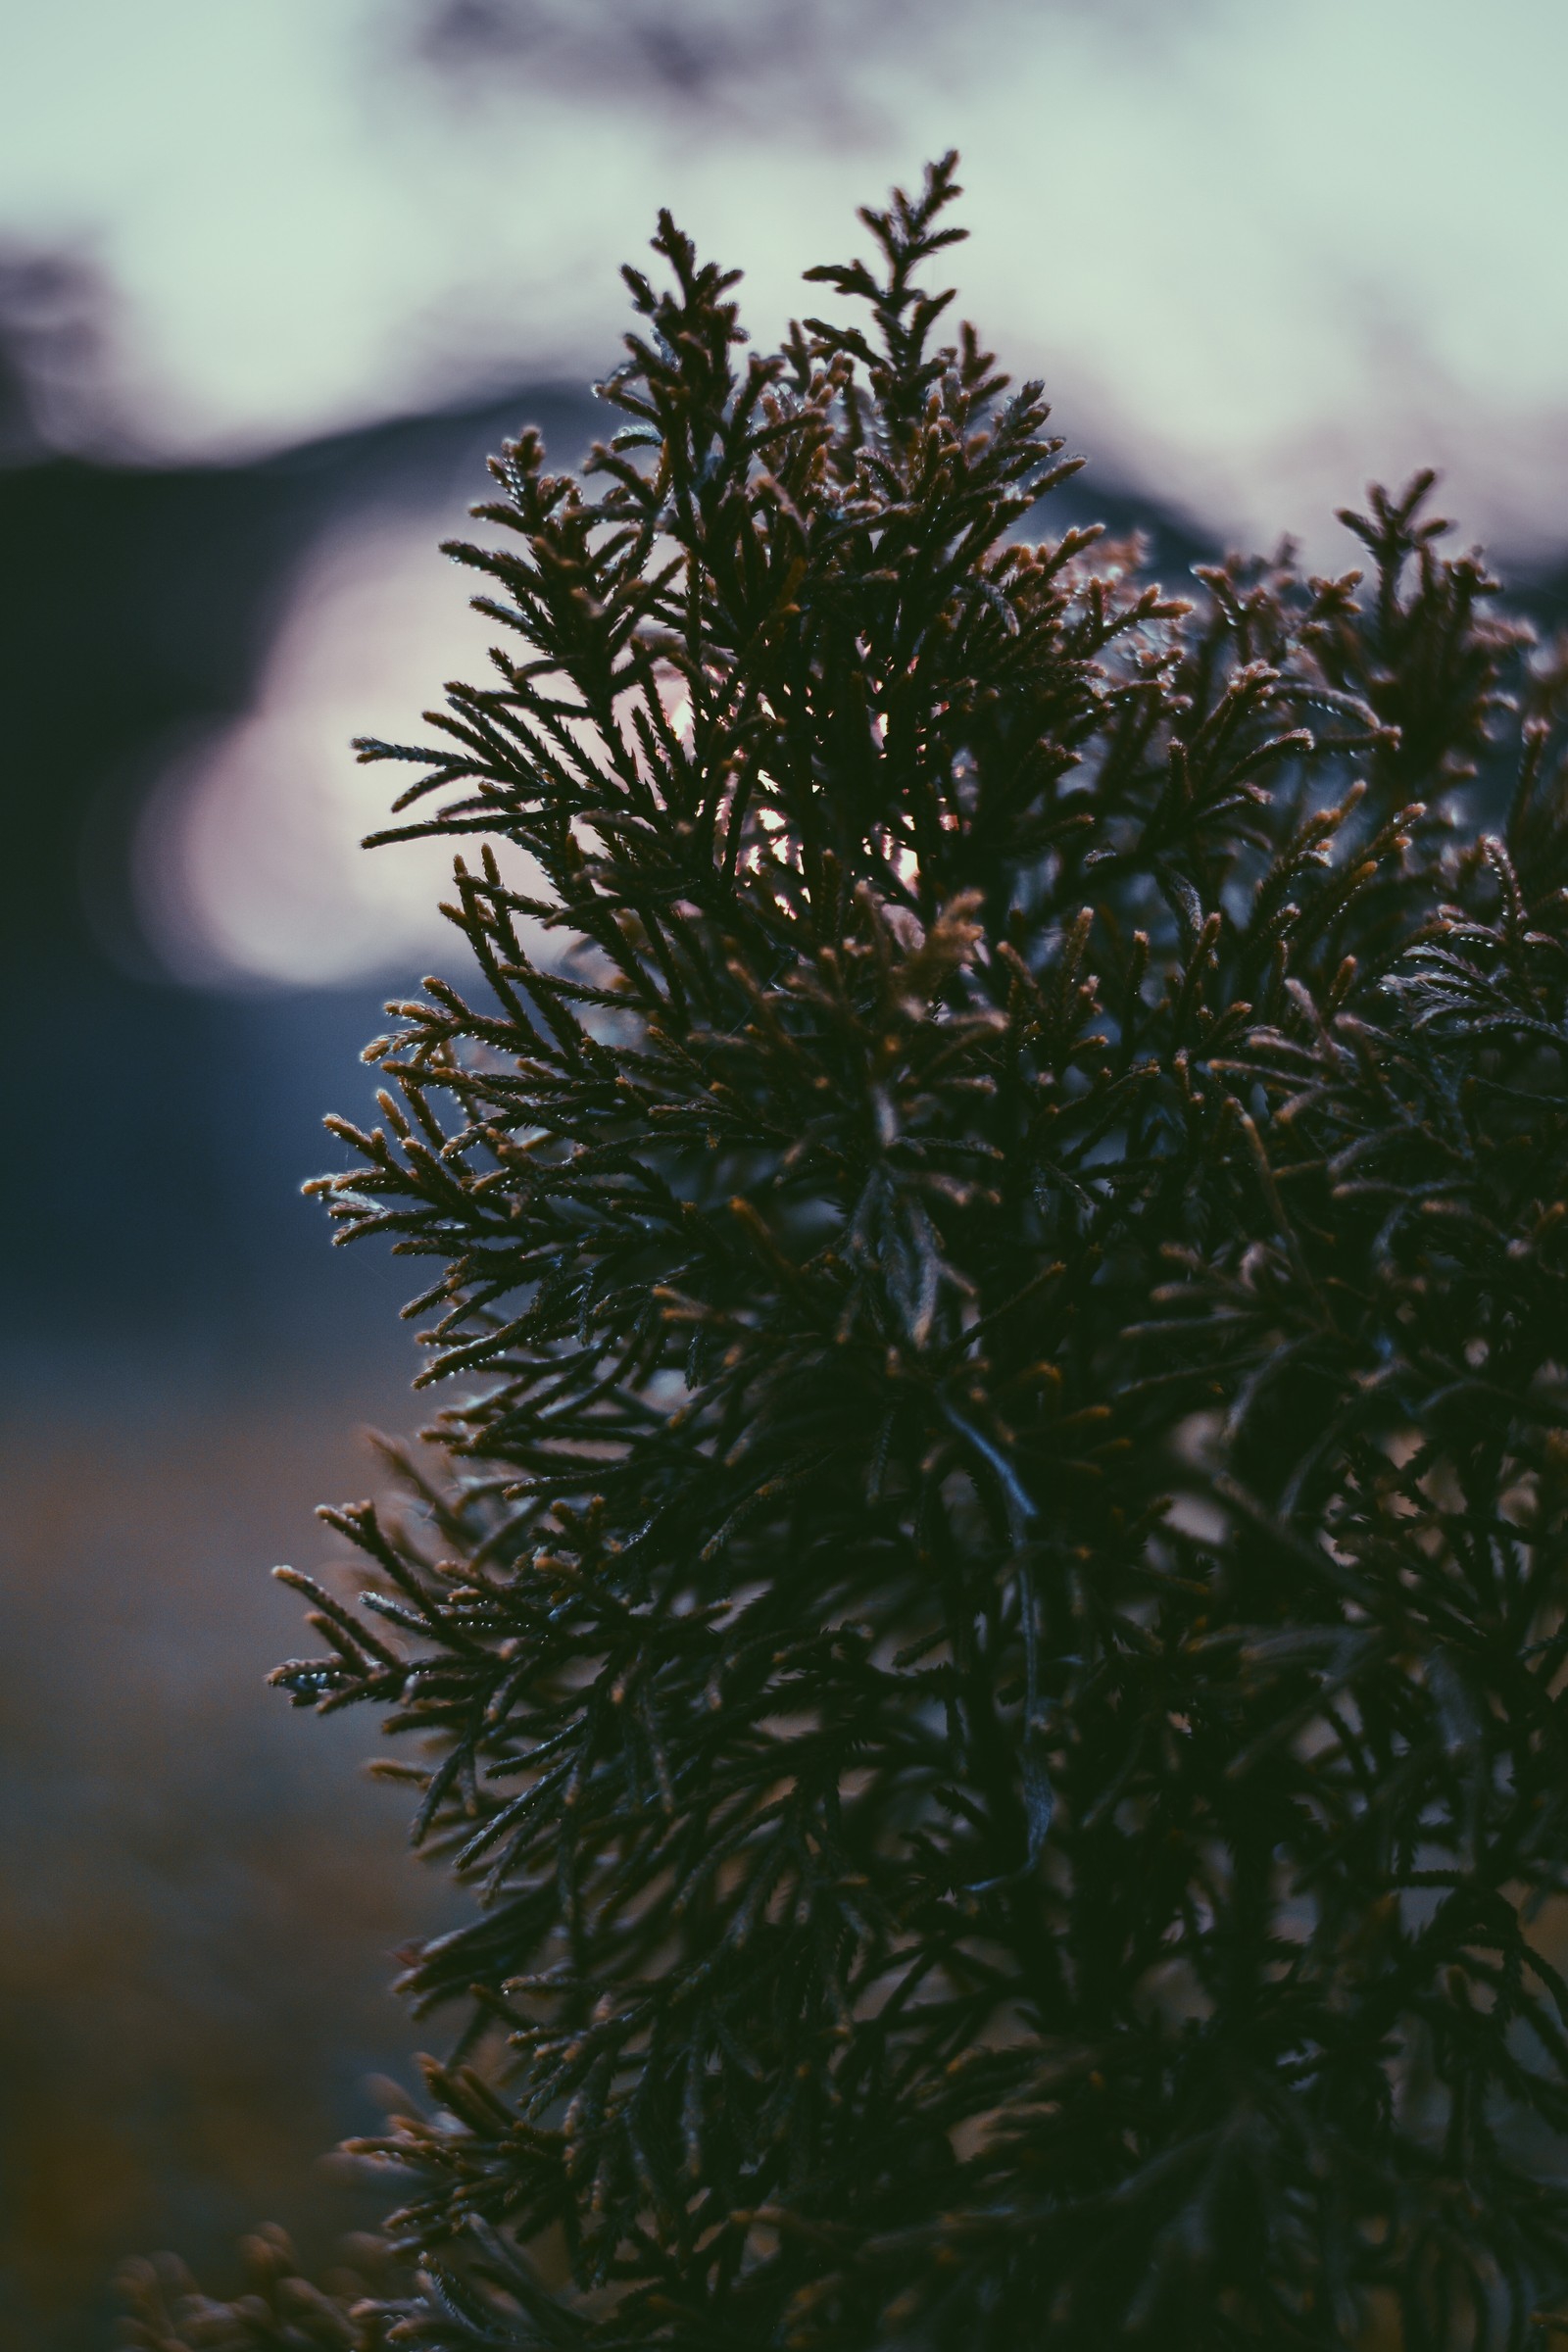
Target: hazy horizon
<point>1257,254</point>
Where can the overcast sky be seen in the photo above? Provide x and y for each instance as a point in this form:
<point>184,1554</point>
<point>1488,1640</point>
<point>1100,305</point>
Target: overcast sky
<point>1258,248</point>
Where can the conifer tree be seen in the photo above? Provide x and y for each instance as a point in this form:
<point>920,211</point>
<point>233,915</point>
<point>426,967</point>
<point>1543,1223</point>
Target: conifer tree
<point>989,1640</point>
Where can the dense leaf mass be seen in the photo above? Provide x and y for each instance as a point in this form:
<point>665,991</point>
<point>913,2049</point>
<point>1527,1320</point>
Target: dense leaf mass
<point>990,1642</point>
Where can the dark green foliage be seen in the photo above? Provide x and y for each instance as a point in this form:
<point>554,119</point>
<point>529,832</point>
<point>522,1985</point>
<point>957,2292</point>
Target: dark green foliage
<point>280,2311</point>
<point>990,1648</point>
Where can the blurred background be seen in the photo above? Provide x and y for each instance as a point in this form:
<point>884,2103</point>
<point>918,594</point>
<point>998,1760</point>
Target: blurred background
<point>275,276</point>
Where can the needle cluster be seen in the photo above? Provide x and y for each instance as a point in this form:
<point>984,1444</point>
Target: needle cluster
<point>989,1636</point>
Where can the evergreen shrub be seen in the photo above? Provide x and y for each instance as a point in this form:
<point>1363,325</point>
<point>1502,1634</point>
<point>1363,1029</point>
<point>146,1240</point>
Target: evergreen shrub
<point>990,1637</point>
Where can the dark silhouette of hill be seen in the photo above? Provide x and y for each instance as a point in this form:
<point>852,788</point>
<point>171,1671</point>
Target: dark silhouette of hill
<point>136,609</point>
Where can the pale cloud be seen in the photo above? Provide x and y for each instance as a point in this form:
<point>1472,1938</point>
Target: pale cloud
<point>247,865</point>
<point>1259,251</point>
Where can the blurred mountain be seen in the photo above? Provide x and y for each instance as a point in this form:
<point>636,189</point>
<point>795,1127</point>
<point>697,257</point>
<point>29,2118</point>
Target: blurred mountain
<point>151,1210</point>
<point>151,1202</point>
